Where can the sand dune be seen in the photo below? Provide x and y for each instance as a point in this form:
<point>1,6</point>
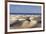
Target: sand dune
<point>26,21</point>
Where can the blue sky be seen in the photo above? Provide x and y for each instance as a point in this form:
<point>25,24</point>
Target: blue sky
<point>25,9</point>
